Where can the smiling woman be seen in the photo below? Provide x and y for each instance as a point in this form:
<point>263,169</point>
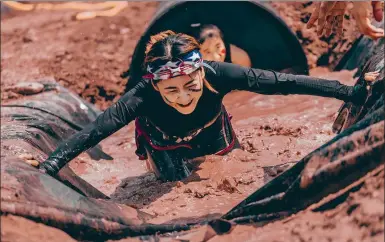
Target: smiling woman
<point>183,92</point>
<point>178,110</point>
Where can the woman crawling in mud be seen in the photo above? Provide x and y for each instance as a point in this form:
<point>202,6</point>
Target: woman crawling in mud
<point>178,110</point>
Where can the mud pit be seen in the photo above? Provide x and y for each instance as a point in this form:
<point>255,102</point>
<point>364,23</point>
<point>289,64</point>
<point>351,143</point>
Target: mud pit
<point>272,129</point>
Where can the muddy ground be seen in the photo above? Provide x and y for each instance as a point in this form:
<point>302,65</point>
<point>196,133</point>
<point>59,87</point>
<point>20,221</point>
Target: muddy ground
<point>89,56</point>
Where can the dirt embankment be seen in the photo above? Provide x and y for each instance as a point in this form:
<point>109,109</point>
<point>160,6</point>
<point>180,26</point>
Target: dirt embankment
<point>19,229</point>
<point>86,56</point>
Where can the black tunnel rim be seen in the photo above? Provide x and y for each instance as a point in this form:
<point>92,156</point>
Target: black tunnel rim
<point>135,72</point>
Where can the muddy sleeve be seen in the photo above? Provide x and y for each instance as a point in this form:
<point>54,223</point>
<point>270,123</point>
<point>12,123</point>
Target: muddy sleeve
<point>108,122</point>
<point>230,77</point>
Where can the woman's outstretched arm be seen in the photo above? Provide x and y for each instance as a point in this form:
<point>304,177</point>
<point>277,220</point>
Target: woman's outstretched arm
<point>230,77</point>
<point>107,123</point>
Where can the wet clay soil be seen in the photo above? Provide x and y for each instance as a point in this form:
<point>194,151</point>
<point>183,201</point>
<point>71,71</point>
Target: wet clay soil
<point>19,229</point>
<point>88,57</point>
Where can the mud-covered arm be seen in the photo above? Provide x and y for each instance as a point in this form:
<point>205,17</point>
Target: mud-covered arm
<point>108,122</point>
<point>230,77</point>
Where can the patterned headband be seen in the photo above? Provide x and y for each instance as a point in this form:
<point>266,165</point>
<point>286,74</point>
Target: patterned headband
<point>190,63</point>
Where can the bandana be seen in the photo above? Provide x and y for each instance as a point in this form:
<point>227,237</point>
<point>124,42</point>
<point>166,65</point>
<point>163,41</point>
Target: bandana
<point>188,64</point>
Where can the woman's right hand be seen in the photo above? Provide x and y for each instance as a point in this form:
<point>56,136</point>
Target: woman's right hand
<point>47,167</point>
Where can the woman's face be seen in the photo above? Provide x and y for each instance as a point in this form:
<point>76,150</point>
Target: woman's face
<point>182,92</point>
<point>213,49</point>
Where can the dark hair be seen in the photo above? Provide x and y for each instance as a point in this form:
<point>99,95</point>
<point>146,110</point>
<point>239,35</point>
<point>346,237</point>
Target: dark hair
<point>169,46</point>
<point>208,31</point>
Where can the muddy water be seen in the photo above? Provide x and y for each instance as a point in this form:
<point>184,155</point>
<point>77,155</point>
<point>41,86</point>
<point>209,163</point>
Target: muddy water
<point>272,129</point>
<point>360,218</point>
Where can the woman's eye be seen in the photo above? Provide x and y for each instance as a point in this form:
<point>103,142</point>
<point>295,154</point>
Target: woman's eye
<point>173,91</point>
<point>192,86</point>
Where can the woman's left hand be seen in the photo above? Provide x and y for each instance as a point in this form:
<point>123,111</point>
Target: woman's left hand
<point>360,91</point>
<point>371,76</point>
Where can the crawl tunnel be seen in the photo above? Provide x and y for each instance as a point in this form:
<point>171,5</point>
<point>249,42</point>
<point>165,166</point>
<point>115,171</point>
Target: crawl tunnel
<point>252,26</point>
<point>31,128</point>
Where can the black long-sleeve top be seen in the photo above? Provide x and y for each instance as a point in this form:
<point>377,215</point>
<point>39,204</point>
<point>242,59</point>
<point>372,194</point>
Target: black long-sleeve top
<point>144,100</point>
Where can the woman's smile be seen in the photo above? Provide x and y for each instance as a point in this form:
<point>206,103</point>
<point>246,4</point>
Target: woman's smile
<point>186,105</point>
<point>182,92</point>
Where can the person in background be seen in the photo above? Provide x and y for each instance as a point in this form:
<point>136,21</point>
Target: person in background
<point>214,47</point>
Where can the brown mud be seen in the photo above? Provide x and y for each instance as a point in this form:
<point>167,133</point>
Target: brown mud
<point>11,227</point>
<point>88,57</point>
<point>359,218</point>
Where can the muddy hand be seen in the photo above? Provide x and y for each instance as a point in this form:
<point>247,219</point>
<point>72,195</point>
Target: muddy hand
<point>371,76</point>
<point>362,14</point>
<point>323,14</point>
<point>331,15</point>
<point>29,159</point>
<point>360,91</point>
<point>335,19</point>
